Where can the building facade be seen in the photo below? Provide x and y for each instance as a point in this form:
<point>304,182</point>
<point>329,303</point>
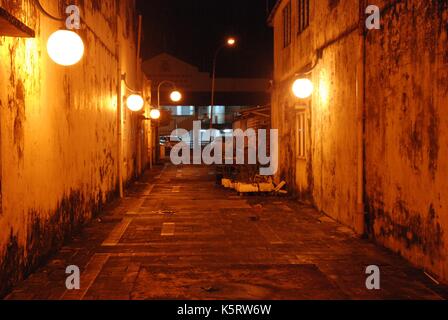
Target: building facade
<point>369,148</point>
<point>231,94</point>
<point>196,85</point>
<point>66,136</point>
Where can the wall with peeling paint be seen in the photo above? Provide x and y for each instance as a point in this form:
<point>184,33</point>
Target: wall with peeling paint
<point>407,132</point>
<point>59,130</point>
<point>394,164</point>
<point>328,174</point>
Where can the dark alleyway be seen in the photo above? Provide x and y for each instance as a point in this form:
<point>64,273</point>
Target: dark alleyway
<point>179,236</point>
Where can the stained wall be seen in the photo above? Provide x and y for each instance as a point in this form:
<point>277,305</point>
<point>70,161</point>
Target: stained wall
<point>59,131</point>
<point>377,123</point>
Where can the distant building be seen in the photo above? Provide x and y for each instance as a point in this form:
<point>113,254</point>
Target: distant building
<point>369,147</point>
<point>231,95</point>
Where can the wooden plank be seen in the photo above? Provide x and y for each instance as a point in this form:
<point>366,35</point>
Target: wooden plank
<point>10,26</point>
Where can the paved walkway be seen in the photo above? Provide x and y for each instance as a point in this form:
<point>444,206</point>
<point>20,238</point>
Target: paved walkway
<point>179,236</point>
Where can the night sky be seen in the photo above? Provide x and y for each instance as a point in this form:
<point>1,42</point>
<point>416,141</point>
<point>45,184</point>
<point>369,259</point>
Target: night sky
<point>192,30</point>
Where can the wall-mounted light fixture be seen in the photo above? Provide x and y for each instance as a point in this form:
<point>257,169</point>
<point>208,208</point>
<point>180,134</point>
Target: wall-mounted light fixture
<point>302,88</point>
<point>134,101</point>
<point>175,96</point>
<point>65,47</point>
<point>155,114</point>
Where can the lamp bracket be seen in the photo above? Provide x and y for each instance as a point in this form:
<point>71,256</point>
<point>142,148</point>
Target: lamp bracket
<point>46,13</point>
<point>123,78</point>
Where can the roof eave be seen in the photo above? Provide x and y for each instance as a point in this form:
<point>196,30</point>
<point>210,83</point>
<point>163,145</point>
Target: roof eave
<point>273,12</point>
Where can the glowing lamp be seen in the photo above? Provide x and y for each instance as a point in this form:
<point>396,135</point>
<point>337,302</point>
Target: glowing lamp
<point>302,88</point>
<point>175,96</point>
<point>135,102</point>
<point>154,114</point>
<point>65,47</point>
<point>231,42</point>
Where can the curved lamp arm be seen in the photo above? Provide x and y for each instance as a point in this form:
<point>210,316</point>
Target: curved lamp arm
<point>46,13</point>
<point>173,85</point>
<point>123,77</point>
<point>212,104</point>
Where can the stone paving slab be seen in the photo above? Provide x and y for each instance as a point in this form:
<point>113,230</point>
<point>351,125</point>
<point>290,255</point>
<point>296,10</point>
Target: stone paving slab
<point>259,282</point>
<point>177,235</point>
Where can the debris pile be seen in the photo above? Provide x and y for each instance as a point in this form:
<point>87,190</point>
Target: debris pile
<point>260,184</point>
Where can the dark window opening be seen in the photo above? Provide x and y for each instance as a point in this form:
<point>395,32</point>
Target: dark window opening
<point>287,25</point>
<point>303,15</point>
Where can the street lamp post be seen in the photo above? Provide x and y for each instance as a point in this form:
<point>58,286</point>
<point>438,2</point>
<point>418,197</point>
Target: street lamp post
<point>175,96</point>
<point>229,43</point>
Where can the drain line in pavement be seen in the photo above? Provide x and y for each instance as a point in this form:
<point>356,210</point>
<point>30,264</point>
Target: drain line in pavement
<point>117,233</point>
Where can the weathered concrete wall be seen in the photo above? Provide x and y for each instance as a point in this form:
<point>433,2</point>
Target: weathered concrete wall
<point>406,126</point>
<point>329,172</point>
<point>59,130</point>
<point>407,132</point>
<point>334,140</point>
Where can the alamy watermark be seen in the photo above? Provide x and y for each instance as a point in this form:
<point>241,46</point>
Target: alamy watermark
<point>373,281</point>
<point>373,21</point>
<point>73,21</point>
<point>73,281</point>
<point>230,149</point>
